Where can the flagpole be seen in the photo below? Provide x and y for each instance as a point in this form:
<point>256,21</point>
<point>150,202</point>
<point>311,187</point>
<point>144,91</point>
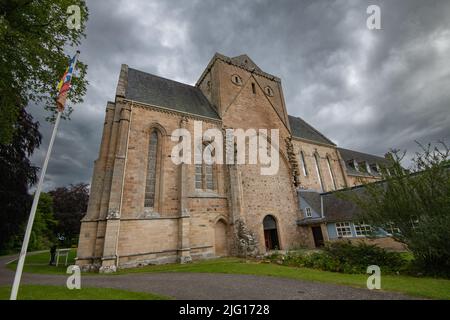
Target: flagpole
<point>23,252</point>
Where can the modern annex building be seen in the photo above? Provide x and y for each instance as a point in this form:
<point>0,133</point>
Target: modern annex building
<point>145,209</point>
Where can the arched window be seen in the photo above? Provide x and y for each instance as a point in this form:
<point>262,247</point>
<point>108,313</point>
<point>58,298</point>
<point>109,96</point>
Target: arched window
<point>330,170</point>
<point>205,174</point>
<point>150,182</point>
<point>303,163</point>
<point>319,173</point>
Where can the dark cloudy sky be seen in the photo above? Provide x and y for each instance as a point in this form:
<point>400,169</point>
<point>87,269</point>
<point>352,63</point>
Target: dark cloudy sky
<point>369,90</point>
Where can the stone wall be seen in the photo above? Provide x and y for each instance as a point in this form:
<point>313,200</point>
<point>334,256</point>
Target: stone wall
<point>119,231</point>
<point>311,180</point>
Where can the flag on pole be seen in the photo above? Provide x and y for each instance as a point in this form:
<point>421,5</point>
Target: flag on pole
<point>63,87</point>
<point>65,83</point>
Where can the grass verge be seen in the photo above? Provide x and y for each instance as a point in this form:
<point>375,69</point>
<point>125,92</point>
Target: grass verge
<point>35,292</point>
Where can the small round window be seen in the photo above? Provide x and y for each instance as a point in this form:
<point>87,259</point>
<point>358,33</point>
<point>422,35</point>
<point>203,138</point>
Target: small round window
<point>269,91</point>
<point>237,80</point>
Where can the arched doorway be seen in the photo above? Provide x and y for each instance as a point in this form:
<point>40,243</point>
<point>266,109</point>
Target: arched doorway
<point>271,233</point>
<point>220,239</point>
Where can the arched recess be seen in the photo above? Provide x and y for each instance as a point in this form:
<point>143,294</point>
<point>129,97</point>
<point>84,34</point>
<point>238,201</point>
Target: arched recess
<point>220,238</point>
<point>153,194</point>
<point>271,237</point>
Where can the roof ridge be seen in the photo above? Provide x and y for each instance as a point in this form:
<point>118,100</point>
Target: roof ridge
<point>143,87</point>
<point>363,153</point>
<point>161,77</point>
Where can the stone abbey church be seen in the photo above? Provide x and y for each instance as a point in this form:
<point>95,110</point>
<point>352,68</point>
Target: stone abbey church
<point>144,209</point>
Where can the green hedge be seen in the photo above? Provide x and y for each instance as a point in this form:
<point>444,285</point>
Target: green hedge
<point>345,257</point>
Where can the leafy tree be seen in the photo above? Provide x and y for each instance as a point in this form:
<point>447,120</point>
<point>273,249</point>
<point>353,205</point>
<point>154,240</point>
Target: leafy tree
<point>69,206</point>
<point>16,176</point>
<point>33,36</point>
<point>43,232</point>
<point>415,205</point>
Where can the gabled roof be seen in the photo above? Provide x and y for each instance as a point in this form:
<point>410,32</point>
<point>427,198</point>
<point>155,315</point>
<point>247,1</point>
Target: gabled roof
<point>301,129</point>
<point>150,89</point>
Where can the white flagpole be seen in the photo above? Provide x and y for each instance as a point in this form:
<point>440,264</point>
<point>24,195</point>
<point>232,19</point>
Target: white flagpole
<point>23,252</point>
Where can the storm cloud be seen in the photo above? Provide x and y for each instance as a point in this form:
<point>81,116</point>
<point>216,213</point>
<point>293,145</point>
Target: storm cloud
<point>369,90</point>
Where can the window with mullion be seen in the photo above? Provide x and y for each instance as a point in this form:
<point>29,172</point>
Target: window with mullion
<point>204,177</point>
<point>362,229</point>
<point>198,176</point>
<point>343,229</point>
<point>205,174</point>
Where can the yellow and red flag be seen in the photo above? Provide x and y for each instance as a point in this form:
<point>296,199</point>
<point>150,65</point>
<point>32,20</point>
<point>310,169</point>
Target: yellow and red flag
<point>65,83</point>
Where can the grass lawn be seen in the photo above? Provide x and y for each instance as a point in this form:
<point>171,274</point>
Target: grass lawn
<point>414,286</point>
<point>420,287</point>
<point>29,292</point>
<point>38,263</point>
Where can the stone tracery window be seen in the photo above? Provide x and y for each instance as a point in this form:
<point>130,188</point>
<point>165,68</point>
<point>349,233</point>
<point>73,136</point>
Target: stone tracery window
<point>205,175</point>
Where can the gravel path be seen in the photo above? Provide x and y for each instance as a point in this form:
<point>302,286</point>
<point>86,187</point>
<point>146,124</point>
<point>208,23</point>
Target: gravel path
<point>205,286</point>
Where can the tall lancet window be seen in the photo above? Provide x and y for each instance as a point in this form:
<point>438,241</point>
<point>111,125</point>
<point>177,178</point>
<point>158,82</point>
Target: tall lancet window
<point>303,163</point>
<point>319,173</point>
<point>330,171</point>
<point>150,183</point>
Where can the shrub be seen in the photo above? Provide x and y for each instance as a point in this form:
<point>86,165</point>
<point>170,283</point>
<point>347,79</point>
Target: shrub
<point>417,202</point>
<point>356,258</point>
<point>345,257</point>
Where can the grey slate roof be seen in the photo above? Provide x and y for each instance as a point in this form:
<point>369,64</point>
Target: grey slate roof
<point>360,156</point>
<point>312,198</point>
<point>154,90</point>
<point>338,209</point>
<point>348,155</point>
<point>335,208</point>
<point>301,129</point>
